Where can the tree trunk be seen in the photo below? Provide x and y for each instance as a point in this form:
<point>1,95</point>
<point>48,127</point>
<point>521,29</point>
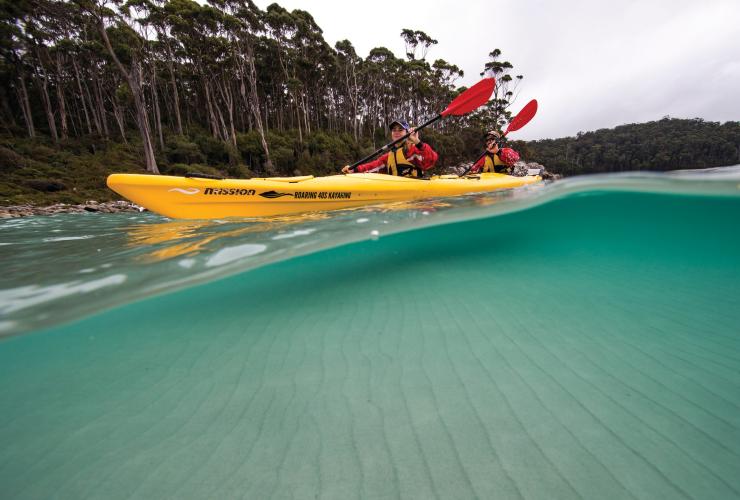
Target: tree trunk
<point>118,115</point>
<point>298,121</point>
<point>157,114</point>
<point>175,95</point>
<point>72,116</point>
<point>223,131</point>
<point>25,106</point>
<point>245,98</point>
<point>93,110</point>
<point>82,95</point>
<point>143,117</point>
<point>209,108</point>
<point>228,97</point>
<point>46,101</point>
<point>133,77</point>
<point>60,99</point>
<point>101,108</point>
<point>255,105</point>
<point>305,113</point>
<point>7,113</point>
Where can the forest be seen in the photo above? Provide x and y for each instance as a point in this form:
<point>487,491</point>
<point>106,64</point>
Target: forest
<point>89,87</point>
<point>666,144</point>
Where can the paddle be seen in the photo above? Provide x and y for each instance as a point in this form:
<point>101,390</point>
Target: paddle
<point>524,116</point>
<point>520,120</point>
<point>469,100</point>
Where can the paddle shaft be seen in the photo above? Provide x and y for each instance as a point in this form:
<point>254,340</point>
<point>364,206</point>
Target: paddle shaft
<point>388,146</point>
<point>471,165</point>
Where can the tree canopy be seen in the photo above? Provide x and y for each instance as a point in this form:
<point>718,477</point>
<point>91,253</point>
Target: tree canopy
<point>241,85</point>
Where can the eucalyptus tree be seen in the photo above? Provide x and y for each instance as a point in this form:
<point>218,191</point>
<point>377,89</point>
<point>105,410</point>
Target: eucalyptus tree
<point>315,67</point>
<point>281,27</point>
<point>348,65</point>
<point>197,28</point>
<point>305,64</point>
<point>243,23</point>
<point>496,113</point>
<point>380,69</point>
<point>168,49</point>
<point>129,64</point>
<point>96,78</point>
<point>13,44</point>
<point>41,30</point>
<point>30,31</point>
<point>446,75</point>
<point>415,39</point>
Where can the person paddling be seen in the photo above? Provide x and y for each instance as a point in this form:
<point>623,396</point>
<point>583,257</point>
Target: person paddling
<point>496,158</point>
<point>407,160</point>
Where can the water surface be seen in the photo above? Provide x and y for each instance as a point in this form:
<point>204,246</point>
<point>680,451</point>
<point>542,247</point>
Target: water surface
<point>577,340</point>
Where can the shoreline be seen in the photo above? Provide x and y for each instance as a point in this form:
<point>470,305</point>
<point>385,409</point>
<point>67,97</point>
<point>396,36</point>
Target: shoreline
<point>91,206</point>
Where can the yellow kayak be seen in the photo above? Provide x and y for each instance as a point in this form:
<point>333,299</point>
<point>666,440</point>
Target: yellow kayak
<point>204,198</point>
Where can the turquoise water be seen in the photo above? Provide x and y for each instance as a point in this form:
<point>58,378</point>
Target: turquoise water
<point>578,340</point>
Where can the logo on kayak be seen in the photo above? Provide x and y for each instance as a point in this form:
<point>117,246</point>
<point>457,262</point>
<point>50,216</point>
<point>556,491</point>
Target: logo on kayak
<point>230,191</point>
<point>310,195</point>
<point>274,194</point>
<point>186,191</point>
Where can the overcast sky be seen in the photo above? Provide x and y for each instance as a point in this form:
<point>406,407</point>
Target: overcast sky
<point>590,64</point>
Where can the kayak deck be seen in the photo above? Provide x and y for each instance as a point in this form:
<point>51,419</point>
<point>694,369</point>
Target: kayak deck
<point>202,198</point>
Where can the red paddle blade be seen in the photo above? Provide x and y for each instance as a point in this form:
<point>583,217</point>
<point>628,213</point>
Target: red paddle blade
<point>526,114</point>
<point>471,99</point>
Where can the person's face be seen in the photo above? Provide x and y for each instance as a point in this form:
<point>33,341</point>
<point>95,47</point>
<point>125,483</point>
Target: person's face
<point>492,145</point>
<point>397,132</point>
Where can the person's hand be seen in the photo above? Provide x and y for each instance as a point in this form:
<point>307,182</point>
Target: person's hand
<point>346,169</point>
<point>414,137</point>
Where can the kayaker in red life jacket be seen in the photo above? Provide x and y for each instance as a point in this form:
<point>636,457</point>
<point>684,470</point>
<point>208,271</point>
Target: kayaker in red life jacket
<point>496,159</point>
<point>410,160</point>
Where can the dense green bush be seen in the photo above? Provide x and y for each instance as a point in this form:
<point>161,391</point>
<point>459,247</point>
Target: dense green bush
<point>250,149</point>
<point>179,149</point>
<point>36,172</point>
<point>215,151</point>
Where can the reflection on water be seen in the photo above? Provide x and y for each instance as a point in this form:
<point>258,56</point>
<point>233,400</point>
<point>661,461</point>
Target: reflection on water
<point>177,238</point>
<point>170,239</point>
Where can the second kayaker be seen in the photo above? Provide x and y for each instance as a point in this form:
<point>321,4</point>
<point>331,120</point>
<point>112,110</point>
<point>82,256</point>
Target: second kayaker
<point>496,158</point>
<point>408,160</point>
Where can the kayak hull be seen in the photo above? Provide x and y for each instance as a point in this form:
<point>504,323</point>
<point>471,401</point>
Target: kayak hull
<point>199,198</point>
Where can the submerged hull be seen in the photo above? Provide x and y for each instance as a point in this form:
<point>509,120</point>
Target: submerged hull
<point>199,198</point>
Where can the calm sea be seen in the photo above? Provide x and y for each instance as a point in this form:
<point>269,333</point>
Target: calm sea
<point>574,340</point>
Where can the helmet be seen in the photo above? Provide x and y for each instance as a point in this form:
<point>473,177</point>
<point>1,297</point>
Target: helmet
<point>492,134</point>
<point>404,124</point>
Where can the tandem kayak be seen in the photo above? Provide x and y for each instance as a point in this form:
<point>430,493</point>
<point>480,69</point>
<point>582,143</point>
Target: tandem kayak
<point>205,198</point>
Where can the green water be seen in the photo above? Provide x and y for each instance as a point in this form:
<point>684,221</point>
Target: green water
<point>588,347</point>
